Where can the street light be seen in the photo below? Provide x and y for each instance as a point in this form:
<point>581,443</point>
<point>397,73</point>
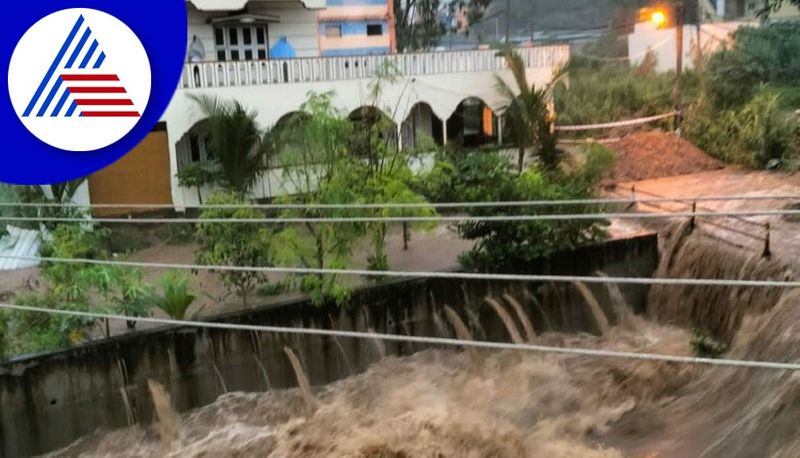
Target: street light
<point>658,18</point>
<point>661,17</point>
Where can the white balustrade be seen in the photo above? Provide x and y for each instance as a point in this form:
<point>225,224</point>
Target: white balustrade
<point>246,73</point>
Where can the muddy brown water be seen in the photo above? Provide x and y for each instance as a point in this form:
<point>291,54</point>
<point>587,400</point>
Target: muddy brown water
<point>438,403</point>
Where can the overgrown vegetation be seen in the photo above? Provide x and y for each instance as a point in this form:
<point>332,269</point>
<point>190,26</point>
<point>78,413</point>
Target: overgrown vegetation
<point>233,244</point>
<point>512,246</point>
<point>737,106</point>
<point>175,298</point>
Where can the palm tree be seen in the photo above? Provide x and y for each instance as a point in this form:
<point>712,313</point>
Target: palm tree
<point>237,144</point>
<point>527,112</point>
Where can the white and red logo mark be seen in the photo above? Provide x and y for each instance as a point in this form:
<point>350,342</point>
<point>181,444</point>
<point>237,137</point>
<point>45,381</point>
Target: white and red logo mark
<point>85,91</point>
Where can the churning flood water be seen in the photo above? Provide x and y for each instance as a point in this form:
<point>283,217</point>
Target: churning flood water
<point>451,403</point>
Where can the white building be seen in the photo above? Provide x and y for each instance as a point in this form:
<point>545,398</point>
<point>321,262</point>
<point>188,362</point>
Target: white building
<point>229,57</point>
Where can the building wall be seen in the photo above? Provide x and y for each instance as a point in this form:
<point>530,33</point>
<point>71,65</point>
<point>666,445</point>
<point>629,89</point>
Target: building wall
<point>443,92</point>
<point>297,24</point>
<point>352,18</point>
<point>713,36</point>
<point>140,177</point>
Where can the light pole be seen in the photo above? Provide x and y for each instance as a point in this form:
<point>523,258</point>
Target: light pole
<point>677,92</point>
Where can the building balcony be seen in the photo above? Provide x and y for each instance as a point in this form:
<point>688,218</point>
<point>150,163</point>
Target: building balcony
<point>330,69</point>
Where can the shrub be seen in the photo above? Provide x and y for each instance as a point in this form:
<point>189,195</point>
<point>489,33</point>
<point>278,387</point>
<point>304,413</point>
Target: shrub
<point>234,244</point>
<point>468,177</point>
<point>611,93</point>
<point>512,246</point>
<point>175,298</point>
<point>33,332</point>
<point>752,135</point>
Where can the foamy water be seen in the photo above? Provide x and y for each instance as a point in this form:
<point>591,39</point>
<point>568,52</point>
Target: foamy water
<point>449,403</point>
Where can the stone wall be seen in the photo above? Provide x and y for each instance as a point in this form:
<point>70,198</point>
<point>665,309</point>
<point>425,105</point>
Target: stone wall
<point>48,401</point>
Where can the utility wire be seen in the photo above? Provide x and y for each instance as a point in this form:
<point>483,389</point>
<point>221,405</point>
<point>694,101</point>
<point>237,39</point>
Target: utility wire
<point>422,340</point>
<point>408,219</point>
<point>375,205</point>
<point>424,274</point>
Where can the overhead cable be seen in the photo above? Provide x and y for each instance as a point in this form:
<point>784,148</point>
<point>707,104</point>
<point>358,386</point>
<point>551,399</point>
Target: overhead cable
<point>587,352</point>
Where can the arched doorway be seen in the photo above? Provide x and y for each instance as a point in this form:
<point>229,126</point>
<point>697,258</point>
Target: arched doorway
<point>473,124</point>
<point>421,128</point>
<point>365,120</point>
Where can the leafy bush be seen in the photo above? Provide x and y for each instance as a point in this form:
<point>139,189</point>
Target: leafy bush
<point>198,174</point>
<point>72,281</point>
<point>175,298</point>
<point>732,79</point>
<point>234,244</point>
<point>613,92</point>
<point>771,49</point>
<point>481,176</point>
<point>32,332</point>
<point>468,177</point>
<point>752,135</point>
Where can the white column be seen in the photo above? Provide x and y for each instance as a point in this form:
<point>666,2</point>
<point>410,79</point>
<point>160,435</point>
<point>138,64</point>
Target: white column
<point>400,137</point>
<point>444,133</point>
<point>500,130</point>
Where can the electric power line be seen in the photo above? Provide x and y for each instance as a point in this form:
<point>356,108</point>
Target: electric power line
<point>481,204</point>
<point>408,219</point>
<point>598,353</point>
<point>423,274</point>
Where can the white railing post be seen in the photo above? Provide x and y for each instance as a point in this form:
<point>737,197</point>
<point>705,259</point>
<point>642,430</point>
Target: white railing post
<point>240,73</point>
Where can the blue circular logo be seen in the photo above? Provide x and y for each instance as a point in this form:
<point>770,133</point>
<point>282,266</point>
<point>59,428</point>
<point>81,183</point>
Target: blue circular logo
<point>87,81</point>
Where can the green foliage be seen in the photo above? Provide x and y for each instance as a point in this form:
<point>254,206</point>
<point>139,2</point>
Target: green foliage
<point>234,244</point>
<point>771,50</point>
<point>751,135</point>
<point>527,113</point>
<point>704,346</point>
<point>31,332</point>
<point>60,193</point>
<point>3,335</point>
<point>198,174</point>
<point>134,294</point>
<point>612,92</point>
<point>175,298</point>
<point>71,281</point>
<point>273,288</point>
<point>732,79</point>
<point>512,246</point>
<point>319,164</point>
<point>237,143</point>
<point>471,177</point>
<point>7,195</point>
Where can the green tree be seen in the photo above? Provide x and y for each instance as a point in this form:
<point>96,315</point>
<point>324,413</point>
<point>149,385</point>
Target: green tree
<point>318,165</point>
<point>526,110</point>
<point>770,6</point>
<point>388,178</point>
<point>198,174</point>
<point>237,143</point>
<point>234,244</point>
<point>511,246</point>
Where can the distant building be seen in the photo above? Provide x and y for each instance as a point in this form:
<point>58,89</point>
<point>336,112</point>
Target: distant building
<point>356,27</point>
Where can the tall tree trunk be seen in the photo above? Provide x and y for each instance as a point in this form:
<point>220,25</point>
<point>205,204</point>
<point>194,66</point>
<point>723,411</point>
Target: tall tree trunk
<point>520,159</point>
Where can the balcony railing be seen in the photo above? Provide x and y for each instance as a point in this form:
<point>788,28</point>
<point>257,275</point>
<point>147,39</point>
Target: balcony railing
<point>305,70</point>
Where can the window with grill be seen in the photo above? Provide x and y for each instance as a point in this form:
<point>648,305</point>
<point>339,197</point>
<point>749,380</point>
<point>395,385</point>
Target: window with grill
<point>234,43</point>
